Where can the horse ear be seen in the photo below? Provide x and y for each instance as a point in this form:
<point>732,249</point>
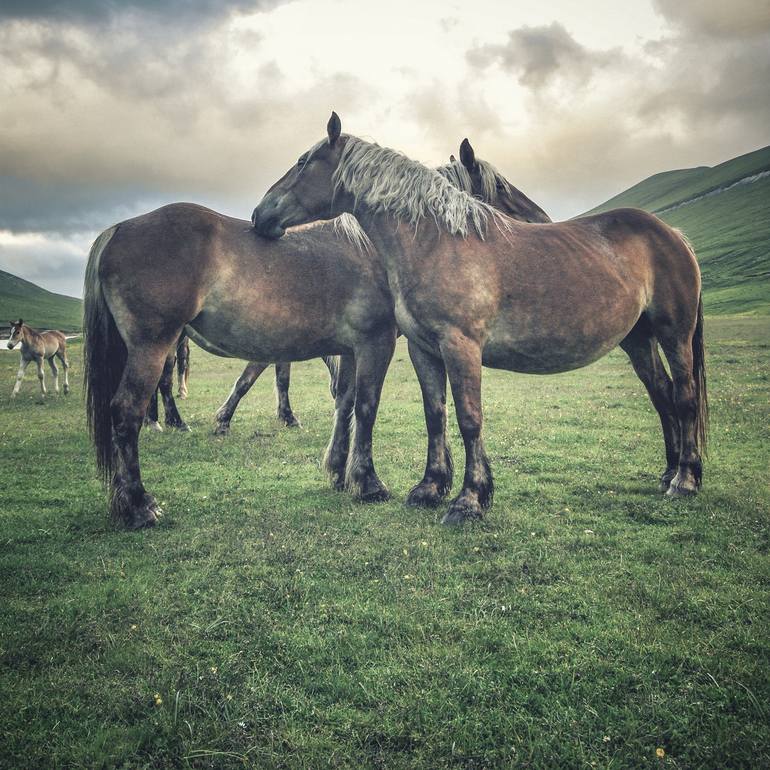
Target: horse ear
<point>467,155</point>
<point>452,159</point>
<point>334,128</point>
<point>20,322</point>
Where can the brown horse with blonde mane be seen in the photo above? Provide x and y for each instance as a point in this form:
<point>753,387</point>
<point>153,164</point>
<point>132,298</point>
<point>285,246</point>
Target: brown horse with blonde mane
<point>39,347</point>
<point>472,287</point>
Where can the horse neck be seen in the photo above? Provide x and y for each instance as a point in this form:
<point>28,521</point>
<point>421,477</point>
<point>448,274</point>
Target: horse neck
<point>29,337</point>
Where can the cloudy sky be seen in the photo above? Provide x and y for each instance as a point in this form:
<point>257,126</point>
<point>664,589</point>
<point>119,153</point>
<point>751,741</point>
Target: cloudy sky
<point>111,108</point>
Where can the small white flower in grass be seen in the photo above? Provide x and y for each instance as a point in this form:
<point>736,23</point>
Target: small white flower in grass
<point>588,532</point>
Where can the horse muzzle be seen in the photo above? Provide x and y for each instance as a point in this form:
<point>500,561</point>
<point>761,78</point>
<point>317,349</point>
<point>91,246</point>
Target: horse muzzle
<point>267,223</point>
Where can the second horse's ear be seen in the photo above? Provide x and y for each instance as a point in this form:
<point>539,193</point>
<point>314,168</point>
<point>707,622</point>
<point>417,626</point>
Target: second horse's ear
<point>467,155</point>
<point>334,128</point>
<point>452,159</point>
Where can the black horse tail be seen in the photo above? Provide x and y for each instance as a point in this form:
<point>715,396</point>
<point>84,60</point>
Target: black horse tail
<point>104,358</point>
<point>333,365</point>
<point>699,374</point>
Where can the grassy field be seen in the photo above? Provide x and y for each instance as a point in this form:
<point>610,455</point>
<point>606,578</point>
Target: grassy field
<point>271,622</point>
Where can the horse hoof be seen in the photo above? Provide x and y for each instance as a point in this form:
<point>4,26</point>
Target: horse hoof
<point>373,492</point>
<point>665,480</point>
<point>682,487</point>
<point>222,429</point>
<point>425,495</point>
<point>154,426</point>
<point>182,427</point>
<point>290,421</point>
<point>144,519</point>
<point>380,495</point>
<point>681,491</point>
<point>461,511</point>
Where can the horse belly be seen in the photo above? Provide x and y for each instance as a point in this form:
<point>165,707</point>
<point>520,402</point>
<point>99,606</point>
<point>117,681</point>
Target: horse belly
<point>257,339</point>
<point>549,348</point>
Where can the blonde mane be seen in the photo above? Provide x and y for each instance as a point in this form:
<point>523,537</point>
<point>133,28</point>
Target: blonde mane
<point>386,180</point>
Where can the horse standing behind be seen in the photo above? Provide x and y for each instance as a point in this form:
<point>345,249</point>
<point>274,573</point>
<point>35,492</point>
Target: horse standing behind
<point>38,347</point>
<point>473,287</point>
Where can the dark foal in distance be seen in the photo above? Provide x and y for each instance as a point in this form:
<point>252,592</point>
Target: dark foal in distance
<point>472,287</point>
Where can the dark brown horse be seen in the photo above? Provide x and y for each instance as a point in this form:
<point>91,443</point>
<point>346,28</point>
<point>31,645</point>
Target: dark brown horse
<point>471,287</point>
<point>237,295</point>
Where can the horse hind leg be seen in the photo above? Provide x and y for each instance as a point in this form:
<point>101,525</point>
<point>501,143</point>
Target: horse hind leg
<point>130,502</point>
<point>683,346</point>
<point>54,374</point>
<point>62,356</point>
<point>642,349</point>
<point>282,378</point>
<point>165,386</point>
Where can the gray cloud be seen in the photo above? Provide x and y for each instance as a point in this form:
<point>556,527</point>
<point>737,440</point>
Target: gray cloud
<point>97,12</point>
<point>538,55</point>
<point>716,18</point>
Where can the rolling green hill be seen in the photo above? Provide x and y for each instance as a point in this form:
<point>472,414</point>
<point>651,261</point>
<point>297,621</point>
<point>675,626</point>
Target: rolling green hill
<point>39,308</point>
<point>725,212</point>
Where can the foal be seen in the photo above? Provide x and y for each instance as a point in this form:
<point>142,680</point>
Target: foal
<point>39,347</point>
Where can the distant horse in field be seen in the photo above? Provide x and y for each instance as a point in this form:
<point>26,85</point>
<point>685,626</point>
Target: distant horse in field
<point>472,287</point>
<point>186,268</point>
<point>38,347</point>
<point>179,356</point>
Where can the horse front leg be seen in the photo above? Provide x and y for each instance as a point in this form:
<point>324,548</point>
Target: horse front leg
<point>437,479</point>
<point>462,358</point>
<point>242,386</point>
<point>54,374</point>
<point>336,455</point>
<point>66,364</point>
<point>372,361</point>
<point>282,378</point>
<point>130,503</point>
<point>20,376</point>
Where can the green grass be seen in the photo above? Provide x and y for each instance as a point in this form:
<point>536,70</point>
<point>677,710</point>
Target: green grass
<point>730,231</point>
<point>39,308</point>
<point>587,622</point>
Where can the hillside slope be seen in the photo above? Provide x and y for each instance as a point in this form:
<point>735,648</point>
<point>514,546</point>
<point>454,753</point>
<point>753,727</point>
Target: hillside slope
<point>725,212</point>
<point>39,308</point>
